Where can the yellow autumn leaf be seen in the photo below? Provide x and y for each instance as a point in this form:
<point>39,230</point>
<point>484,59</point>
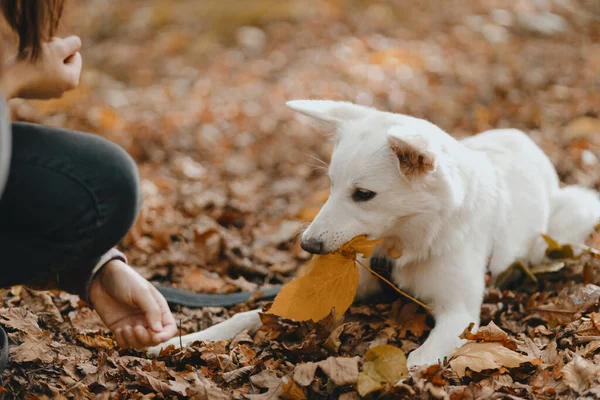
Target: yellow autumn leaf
<point>330,282</point>
<point>383,364</point>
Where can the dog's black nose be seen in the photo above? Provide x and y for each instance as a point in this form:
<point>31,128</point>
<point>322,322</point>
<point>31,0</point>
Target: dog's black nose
<point>313,246</point>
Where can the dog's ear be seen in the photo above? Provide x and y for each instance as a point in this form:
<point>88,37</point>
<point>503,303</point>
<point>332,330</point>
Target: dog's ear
<point>415,154</point>
<point>332,112</point>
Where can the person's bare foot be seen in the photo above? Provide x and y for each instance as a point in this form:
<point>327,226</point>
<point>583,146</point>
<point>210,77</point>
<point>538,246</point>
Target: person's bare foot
<point>131,307</point>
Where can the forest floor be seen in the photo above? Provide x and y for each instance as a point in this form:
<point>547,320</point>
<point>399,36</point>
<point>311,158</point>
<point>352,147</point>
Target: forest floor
<point>195,91</point>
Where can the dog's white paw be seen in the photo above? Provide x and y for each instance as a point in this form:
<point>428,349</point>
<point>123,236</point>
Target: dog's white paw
<point>249,320</point>
<point>424,355</point>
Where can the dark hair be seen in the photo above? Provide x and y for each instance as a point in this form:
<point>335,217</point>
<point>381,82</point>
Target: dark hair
<point>35,21</point>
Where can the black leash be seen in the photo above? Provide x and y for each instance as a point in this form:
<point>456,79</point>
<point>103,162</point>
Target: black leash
<point>196,300</point>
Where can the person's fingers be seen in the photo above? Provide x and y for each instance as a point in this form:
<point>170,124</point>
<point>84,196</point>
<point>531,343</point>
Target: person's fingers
<point>130,337</point>
<point>142,335</point>
<point>73,71</point>
<point>145,299</point>
<point>74,61</point>
<point>69,46</point>
<point>167,315</point>
<point>120,338</point>
<point>160,337</point>
<point>169,324</point>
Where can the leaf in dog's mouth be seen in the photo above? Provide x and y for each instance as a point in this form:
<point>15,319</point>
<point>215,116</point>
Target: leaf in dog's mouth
<point>329,282</point>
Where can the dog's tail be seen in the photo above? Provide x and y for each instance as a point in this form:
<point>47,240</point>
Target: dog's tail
<point>574,214</point>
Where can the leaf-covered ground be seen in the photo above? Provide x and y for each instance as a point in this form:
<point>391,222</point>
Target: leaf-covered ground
<point>195,91</point>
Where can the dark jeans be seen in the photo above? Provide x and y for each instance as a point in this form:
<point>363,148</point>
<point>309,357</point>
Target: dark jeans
<point>70,197</point>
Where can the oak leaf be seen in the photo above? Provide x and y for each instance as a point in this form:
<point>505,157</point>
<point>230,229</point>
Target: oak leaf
<point>330,283</point>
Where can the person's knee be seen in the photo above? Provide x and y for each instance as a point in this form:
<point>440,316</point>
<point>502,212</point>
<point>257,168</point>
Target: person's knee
<point>123,183</point>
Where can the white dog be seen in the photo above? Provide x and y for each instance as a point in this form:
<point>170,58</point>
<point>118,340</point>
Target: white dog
<point>450,208</point>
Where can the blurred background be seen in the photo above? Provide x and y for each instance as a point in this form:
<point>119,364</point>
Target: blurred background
<point>195,90</point>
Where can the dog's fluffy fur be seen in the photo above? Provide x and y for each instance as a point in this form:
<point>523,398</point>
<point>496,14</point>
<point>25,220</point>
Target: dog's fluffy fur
<point>448,206</point>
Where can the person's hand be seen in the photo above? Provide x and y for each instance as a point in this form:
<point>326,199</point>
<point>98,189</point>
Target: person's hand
<point>131,307</point>
<point>56,71</point>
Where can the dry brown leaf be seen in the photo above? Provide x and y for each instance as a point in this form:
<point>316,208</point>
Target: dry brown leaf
<point>595,316</point>
<point>266,380</point>
<point>20,319</point>
<point>488,355</point>
<point>579,374</point>
<point>167,387</point>
<point>582,127</point>
<point>96,341</point>
<point>201,281</point>
<point>237,373</point>
<point>36,347</point>
<point>87,320</point>
<point>489,333</point>
<point>304,373</point>
<point>330,283</point>
<point>291,391</point>
<point>341,370</point>
<point>41,302</point>
<point>383,364</point>
<point>367,385</point>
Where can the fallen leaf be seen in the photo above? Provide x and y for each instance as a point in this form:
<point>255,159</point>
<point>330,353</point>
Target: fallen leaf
<point>489,333</point>
<point>87,320</point>
<point>579,374</point>
<point>96,341</point>
<point>384,364</point>
<point>488,355</point>
<point>20,319</point>
<point>367,385</point>
<point>36,347</point>
<point>40,302</point>
<point>291,391</point>
<point>266,380</point>
<point>582,127</point>
<point>595,316</point>
<point>237,373</point>
<point>330,283</point>
<point>557,251</point>
<point>341,370</point>
<point>304,373</point>
<point>201,281</point>
<point>167,387</point>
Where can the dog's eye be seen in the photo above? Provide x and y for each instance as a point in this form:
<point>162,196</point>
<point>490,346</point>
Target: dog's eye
<point>362,195</point>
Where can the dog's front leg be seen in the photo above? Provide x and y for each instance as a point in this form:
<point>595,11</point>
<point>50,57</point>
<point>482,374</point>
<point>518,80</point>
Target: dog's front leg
<point>454,285</point>
<point>249,320</point>
<point>443,338</point>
